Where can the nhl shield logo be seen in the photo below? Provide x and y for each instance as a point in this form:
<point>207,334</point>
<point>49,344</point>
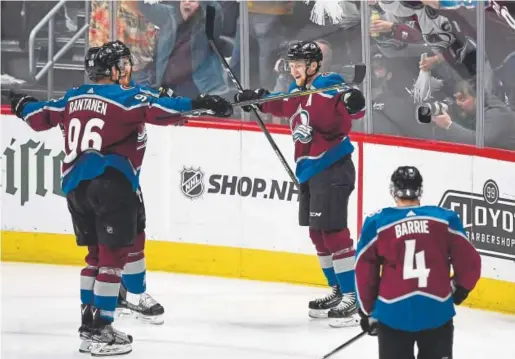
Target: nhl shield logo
<point>192,182</point>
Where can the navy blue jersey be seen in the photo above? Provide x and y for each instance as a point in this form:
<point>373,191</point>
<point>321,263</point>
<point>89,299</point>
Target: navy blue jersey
<point>403,266</point>
<point>104,126</point>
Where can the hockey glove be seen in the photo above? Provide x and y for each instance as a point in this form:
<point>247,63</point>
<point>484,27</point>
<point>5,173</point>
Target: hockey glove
<point>354,101</point>
<point>250,95</point>
<point>459,294</point>
<point>220,106</point>
<point>367,323</point>
<point>18,102</point>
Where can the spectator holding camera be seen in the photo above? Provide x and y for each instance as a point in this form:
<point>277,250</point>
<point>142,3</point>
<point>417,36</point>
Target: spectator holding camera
<point>392,104</point>
<point>499,120</point>
<point>184,60</point>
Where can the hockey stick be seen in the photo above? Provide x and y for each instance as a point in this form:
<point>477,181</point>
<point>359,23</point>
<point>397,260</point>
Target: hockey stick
<point>359,74</point>
<point>347,343</point>
<point>284,96</point>
<point>210,25</point>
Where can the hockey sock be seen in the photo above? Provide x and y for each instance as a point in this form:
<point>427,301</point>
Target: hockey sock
<point>324,256</point>
<point>326,262</point>
<point>134,272</point>
<point>88,275</point>
<point>107,283</point>
<point>341,246</point>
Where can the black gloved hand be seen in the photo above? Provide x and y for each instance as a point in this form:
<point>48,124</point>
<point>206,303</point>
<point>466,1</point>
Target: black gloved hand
<point>249,95</point>
<point>459,294</point>
<point>166,92</point>
<point>220,106</point>
<point>354,100</point>
<point>18,102</point>
<point>367,323</point>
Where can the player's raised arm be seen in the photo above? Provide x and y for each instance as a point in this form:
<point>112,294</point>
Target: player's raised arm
<point>465,259</point>
<point>350,102</point>
<point>39,115</point>
<point>158,108</point>
<point>367,267</point>
<point>273,107</point>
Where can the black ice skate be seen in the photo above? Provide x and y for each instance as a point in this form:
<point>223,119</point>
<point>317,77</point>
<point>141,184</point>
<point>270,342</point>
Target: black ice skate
<point>345,314</point>
<point>319,308</point>
<point>107,341</point>
<point>146,309</point>
<point>86,328</point>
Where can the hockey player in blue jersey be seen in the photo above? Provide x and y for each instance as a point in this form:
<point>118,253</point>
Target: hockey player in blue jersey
<point>320,124</point>
<point>104,133</point>
<point>403,263</point>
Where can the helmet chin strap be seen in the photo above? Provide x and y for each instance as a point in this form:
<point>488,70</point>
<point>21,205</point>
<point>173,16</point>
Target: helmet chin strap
<point>308,77</point>
<point>117,81</point>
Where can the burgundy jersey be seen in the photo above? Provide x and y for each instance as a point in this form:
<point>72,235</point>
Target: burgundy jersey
<point>104,125</point>
<point>403,266</point>
<point>319,123</point>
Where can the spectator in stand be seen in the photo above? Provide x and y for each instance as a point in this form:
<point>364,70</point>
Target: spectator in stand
<point>267,31</point>
<point>396,37</point>
<point>133,30</point>
<point>392,104</point>
<point>184,60</point>
<point>499,120</point>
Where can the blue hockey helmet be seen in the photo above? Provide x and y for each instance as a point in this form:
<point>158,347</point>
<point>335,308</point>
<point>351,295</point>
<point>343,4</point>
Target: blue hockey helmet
<point>406,183</point>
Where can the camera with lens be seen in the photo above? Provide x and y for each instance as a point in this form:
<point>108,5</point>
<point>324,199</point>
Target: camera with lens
<point>426,110</point>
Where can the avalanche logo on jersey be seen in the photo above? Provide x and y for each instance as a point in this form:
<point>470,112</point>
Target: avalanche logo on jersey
<point>142,137</point>
<point>299,125</point>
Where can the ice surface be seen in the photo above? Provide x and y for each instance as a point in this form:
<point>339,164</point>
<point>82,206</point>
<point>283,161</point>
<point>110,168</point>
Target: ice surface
<point>207,318</point>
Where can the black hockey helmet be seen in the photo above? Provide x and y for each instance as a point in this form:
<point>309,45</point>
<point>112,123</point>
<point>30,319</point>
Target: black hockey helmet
<point>308,51</point>
<point>305,50</point>
<point>99,61</point>
<point>406,183</point>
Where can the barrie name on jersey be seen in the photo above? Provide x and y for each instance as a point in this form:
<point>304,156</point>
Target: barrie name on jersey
<point>403,265</point>
<point>104,126</point>
<point>319,123</point>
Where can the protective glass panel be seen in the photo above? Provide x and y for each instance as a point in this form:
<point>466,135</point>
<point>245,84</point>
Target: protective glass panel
<point>420,56</point>
<point>499,116</point>
<point>25,63</point>
<point>274,25</point>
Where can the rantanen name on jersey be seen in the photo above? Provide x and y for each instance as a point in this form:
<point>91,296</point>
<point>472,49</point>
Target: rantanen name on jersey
<point>409,227</point>
<point>88,104</point>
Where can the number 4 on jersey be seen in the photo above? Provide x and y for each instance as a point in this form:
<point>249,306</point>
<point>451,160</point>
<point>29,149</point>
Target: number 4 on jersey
<point>419,260</point>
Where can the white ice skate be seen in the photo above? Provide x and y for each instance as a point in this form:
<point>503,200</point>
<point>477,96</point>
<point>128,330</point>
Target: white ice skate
<point>142,307</point>
<point>107,341</point>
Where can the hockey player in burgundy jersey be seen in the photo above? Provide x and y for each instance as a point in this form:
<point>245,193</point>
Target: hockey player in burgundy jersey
<point>104,138</point>
<point>320,124</point>
<point>403,264</point>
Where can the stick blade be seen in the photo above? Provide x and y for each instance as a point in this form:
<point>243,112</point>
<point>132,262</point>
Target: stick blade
<point>210,21</point>
<point>360,70</point>
<point>354,74</point>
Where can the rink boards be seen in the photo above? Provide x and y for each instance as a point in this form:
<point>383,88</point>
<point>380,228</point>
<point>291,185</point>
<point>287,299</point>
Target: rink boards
<point>219,202</point>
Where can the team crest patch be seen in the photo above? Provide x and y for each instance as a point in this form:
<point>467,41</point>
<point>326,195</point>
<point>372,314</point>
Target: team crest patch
<point>192,182</point>
<point>299,125</point>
